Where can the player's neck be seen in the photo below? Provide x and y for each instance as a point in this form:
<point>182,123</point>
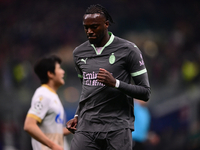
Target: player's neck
<point>52,86</point>
<point>103,41</point>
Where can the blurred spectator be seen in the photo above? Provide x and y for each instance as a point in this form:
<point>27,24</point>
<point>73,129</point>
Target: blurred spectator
<point>142,134</point>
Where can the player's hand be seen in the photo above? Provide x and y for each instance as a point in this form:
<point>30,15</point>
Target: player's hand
<point>71,124</point>
<point>106,78</point>
<point>57,147</point>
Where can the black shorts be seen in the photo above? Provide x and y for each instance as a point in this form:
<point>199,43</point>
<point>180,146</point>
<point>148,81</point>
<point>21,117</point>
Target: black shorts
<point>114,140</point>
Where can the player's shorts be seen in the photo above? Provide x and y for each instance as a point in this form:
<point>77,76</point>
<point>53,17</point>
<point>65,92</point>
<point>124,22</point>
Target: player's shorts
<point>114,140</point>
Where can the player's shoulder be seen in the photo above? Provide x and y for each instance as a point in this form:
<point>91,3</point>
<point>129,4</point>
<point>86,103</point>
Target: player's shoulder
<point>41,89</point>
<point>81,48</point>
<point>44,92</point>
<point>126,44</point>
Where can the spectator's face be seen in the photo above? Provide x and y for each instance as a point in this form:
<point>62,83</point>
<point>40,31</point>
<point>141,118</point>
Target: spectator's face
<point>96,28</point>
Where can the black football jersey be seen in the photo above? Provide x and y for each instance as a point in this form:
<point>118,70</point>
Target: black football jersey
<point>103,108</point>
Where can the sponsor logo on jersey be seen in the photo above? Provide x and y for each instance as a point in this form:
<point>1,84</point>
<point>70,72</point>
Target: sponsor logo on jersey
<point>58,119</point>
<point>91,79</point>
<point>112,59</point>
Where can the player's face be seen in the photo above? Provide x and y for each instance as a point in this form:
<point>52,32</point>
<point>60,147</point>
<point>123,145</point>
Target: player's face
<point>58,76</point>
<point>95,26</point>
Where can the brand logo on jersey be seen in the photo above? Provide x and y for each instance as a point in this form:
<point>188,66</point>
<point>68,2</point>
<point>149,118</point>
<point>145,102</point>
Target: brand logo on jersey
<point>112,59</point>
<point>58,119</point>
<point>141,62</point>
<point>84,60</point>
<point>40,98</point>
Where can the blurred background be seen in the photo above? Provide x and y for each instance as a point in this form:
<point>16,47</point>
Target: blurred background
<point>167,32</point>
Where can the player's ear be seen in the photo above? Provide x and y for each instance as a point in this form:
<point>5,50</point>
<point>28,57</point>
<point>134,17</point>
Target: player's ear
<point>50,74</point>
<point>106,24</point>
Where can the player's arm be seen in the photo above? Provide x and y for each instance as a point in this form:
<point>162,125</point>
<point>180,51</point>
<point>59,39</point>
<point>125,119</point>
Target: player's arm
<point>78,70</point>
<point>136,67</point>
<point>141,89</point>
<point>66,131</point>
<point>71,124</point>
<point>32,128</point>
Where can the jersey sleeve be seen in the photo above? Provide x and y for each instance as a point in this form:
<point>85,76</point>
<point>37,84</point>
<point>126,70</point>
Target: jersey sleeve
<point>39,107</point>
<point>136,65</point>
<point>78,70</point>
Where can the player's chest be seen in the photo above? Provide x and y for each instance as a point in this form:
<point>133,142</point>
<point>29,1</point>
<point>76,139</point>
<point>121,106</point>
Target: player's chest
<point>55,107</point>
<point>56,112</point>
<point>111,62</point>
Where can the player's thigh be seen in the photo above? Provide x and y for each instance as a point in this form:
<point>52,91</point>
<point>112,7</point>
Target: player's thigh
<point>83,141</point>
<point>120,140</point>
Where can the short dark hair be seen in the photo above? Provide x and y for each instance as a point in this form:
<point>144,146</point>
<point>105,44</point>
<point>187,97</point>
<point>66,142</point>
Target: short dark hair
<point>97,8</point>
<point>45,64</point>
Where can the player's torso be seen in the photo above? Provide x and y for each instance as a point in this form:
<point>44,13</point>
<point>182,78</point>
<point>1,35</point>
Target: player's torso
<point>111,60</point>
<point>52,123</point>
<point>54,119</point>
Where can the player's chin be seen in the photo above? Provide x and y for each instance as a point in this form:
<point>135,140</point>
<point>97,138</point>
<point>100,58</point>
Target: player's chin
<point>62,82</point>
<point>93,41</point>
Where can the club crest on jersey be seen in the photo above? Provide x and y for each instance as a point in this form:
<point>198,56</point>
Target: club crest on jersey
<point>112,59</point>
